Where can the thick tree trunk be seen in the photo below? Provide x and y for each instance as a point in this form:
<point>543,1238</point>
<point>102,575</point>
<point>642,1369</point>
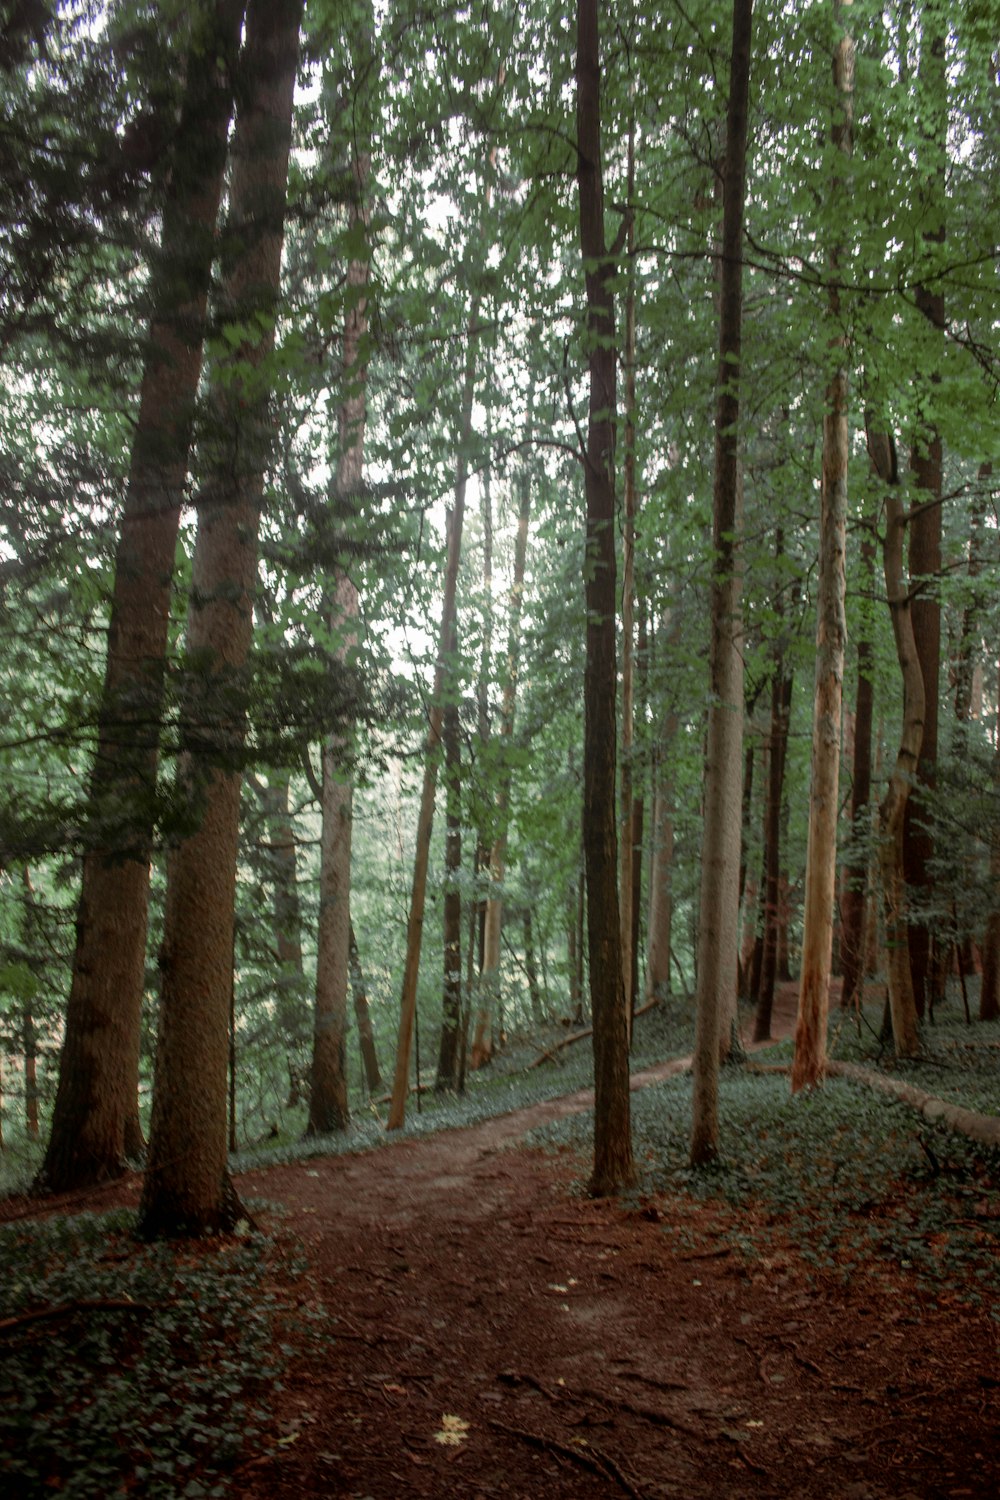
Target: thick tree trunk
<point>95,1120</point>
<point>613,1165</point>
<point>186,1189</point>
<point>852,928</point>
<point>902,1003</point>
<point>718,922</point>
<point>831,642</point>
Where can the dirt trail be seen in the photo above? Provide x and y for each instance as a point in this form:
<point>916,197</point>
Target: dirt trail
<point>498,1334</point>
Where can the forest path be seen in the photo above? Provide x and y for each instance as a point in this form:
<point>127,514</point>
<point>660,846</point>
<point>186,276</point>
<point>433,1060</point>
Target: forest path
<point>496,1333</point>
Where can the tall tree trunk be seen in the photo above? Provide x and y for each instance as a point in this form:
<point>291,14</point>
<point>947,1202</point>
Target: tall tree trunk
<point>661,862</point>
<point>186,1189</point>
<point>95,1125</point>
<point>291,1012</point>
<point>498,853</point>
<point>781,703</point>
<point>451,1019</point>
<point>443,673</point>
<point>362,1014</point>
<point>925,524</point>
<point>718,920</point>
<point>628,897</point>
<point>29,1037</point>
<point>809,1063</point>
<point>329,1107</point>
<point>488,978</point>
<point>989,992</point>
<point>613,1164</point>
<point>852,929</point>
<point>902,1003</point>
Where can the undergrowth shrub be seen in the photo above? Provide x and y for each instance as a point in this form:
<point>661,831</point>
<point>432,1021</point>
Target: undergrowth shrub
<point>133,1370</point>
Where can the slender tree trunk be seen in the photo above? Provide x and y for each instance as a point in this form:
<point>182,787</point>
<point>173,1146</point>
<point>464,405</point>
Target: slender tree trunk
<point>613,1165</point>
<point>809,1063</point>
<point>661,863</point>
<point>718,921</point>
<point>95,1126</point>
<point>531,968</point>
<point>329,1107</point>
<point>967,671</point>
<point>902,1003</point>
<point>628,898</point>
<point>852,930</point>
<point>781,704</point>
<point>989,992</point>
<point>925,523</point>
<point>187,1190</point>
<point>362,1014</point>
<point>498,853</point>
<point>488,983</point>
<point>425,821</point>
<point>451,1020</point>
<point>29,1039</point>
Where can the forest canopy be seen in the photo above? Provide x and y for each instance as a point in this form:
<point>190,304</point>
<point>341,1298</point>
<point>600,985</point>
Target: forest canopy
<point>498,528</point>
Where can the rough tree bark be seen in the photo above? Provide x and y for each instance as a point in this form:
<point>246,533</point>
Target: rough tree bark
<point>613,1166</point>
<point>720,860</point>
<point>187,1190</point>
<point>95,1124</point>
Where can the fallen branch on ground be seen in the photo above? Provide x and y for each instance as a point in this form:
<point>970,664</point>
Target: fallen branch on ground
<point>982,1128</point>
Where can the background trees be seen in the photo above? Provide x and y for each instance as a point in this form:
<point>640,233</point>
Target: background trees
<point>95,145</point>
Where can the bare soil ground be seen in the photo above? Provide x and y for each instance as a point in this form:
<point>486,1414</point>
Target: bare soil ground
<point>496,1333</point>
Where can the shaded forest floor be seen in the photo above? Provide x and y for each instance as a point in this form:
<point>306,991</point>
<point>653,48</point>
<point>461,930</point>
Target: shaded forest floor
<point>492,1332</point>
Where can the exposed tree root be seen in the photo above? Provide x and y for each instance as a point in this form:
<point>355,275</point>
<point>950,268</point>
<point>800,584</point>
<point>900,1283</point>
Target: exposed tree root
<point>592,1458</point>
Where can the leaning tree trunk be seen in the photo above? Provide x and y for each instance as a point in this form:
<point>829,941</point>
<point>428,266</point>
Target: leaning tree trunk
<point>187,1190</point>
<point>95,1123</point>
<point>613,1164</point>
<point>718,920</point>
<point>809,1063</point>
<point>902,1004</point>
